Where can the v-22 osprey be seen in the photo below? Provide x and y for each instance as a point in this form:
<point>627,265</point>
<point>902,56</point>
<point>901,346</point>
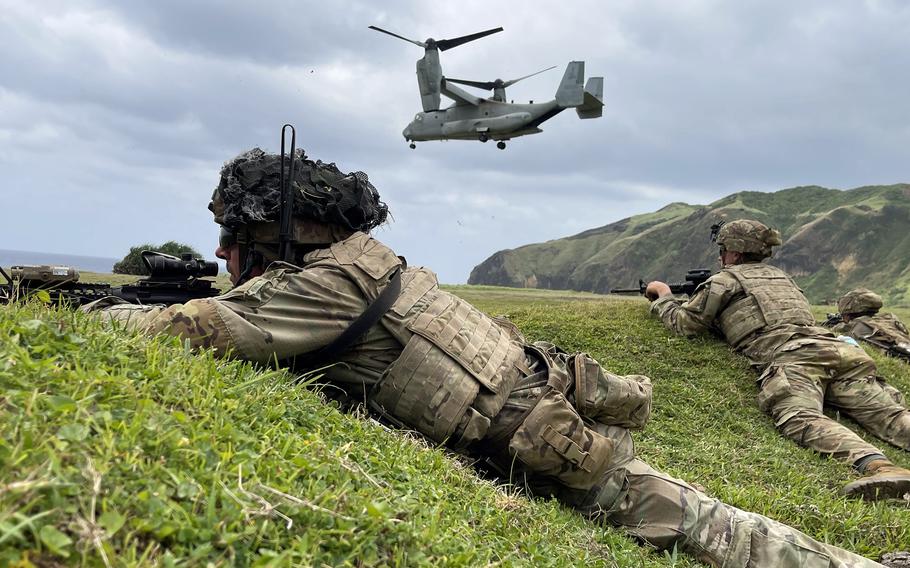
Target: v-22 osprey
<point>493,118</point>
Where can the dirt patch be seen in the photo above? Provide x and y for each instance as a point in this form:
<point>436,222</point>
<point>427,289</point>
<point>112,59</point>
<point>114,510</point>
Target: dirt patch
<point>845,265</point>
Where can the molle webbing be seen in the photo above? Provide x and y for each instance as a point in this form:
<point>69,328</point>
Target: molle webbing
<point>771,297</point>
<point>457,366</point>
<point>454,373</point>
<point>741,318</point>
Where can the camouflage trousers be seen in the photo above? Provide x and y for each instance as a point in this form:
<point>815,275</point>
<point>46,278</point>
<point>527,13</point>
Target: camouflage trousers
<point>807,374</point>
<point>665,512</point>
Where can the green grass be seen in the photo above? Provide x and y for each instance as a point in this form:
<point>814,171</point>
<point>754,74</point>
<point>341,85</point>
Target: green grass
<point>121,450</point>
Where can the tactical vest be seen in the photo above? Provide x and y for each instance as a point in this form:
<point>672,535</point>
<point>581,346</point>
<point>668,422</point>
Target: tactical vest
<point>886,328</point>
<point>457,366</point>
<point>770,298</point>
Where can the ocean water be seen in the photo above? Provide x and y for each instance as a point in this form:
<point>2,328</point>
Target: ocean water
<point>85,263</point>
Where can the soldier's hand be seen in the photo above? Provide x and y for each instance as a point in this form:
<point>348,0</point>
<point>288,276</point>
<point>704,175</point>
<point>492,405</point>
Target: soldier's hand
<point>657,289</point>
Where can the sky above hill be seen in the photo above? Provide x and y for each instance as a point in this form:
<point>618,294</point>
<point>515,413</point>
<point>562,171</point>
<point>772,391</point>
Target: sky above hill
<point>115,117</point>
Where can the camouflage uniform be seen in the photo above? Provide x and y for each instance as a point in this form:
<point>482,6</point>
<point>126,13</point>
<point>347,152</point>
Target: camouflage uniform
<point>762,314</point>
<point>884,331</point>
<point>557,421</point>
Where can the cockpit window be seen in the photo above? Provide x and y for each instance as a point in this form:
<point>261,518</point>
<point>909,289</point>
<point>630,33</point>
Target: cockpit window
<point>418,117</point>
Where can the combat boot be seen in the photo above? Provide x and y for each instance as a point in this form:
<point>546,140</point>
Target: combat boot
<point>881,480</point>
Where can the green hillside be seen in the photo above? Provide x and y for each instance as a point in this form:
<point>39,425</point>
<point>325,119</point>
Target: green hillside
<point>834,240</point>
<point>118,450</point>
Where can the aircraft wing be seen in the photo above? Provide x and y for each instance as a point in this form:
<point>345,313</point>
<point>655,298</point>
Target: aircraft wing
<point>459,95</point>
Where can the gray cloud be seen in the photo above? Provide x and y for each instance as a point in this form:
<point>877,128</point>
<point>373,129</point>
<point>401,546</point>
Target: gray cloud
<point>118,115</point>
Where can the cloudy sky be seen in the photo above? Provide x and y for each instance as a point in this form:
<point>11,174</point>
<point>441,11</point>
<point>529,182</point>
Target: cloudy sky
<point>115,117</point>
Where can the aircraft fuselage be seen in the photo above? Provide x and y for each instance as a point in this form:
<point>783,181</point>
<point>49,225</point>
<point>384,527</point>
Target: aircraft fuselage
<point>488,120</point>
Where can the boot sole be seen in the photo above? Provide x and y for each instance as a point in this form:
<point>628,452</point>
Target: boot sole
<point>875,489</point>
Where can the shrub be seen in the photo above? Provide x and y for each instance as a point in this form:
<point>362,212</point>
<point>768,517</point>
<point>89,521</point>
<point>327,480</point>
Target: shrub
<point>132,262</point>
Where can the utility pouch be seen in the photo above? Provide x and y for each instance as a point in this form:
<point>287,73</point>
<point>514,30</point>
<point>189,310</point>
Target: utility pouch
<point>553,440</point>
<point>611,399</point>
<point>773,387</point>
<point>894,393</point>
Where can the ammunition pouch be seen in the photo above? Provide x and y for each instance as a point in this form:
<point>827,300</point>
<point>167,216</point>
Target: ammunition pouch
<point>555,438</point>
<point>611,399</point>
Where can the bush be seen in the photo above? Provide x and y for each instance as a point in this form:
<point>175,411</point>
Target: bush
<point>132,262</point>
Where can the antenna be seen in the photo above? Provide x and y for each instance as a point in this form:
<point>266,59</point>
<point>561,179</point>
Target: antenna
<point>286,208</point>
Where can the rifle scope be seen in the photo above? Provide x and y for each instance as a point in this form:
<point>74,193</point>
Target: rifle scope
<point>162,265</point>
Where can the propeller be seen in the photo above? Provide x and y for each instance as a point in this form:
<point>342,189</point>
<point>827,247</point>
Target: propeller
<point>497,84</point>
<point>441,44</point>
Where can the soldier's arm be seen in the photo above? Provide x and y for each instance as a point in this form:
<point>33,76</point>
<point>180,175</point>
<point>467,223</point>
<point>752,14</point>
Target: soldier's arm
<point>275,316</point>
<point>838,328</point>
<point>698,314</point>
<point>198,321</point>
<point>858,329</point>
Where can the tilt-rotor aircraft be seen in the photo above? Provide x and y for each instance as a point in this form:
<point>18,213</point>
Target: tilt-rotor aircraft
<point>475,118</point>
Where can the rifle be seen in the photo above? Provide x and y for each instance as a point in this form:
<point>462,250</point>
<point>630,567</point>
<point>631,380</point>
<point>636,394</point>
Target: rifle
<point>900,351</point>
<point>694,278</point>
<point>832,319</point>
<point>171,280</point>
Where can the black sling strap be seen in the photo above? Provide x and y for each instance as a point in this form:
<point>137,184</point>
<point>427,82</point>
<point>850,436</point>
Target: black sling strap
<point>359,327</point>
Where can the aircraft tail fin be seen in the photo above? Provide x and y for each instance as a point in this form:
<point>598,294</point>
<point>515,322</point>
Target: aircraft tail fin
<point>570,92</point>
<point>593,104</point>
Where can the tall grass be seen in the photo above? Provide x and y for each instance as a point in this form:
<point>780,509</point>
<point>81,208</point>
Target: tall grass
<point>120,450</point>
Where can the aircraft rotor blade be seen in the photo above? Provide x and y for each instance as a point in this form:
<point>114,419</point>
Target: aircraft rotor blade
<point>513,81</point>
<point>444,44</point>
<point>415,42</point>
<point>486,85</point>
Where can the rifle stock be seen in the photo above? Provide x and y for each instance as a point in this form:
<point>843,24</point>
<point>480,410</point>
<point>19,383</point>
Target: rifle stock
<point>171,280</point>
<point>898,351</point>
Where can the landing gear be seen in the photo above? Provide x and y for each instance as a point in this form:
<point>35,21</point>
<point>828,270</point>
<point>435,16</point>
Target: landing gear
<point>501,145</point>
<point>484,137</point>
<point>412,145</point>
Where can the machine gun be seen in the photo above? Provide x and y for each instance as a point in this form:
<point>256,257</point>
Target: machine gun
<point>694,278</point>
<point>171,280</point>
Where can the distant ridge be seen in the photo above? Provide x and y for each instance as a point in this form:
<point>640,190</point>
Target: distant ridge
<point>834,240</point>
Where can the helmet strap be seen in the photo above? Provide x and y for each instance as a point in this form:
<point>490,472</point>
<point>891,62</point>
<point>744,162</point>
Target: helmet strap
<point>251,257</point>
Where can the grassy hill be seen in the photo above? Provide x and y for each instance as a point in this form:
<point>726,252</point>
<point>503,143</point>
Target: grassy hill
<point>833,241</point>
<point>124,451</point>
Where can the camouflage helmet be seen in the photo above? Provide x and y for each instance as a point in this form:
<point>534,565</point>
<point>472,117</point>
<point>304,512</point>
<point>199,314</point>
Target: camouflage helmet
<point>748,237</point>
<point>248,193</point>
<point>859,301</point>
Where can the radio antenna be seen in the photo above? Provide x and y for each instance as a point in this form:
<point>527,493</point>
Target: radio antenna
<point>286,208</point>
